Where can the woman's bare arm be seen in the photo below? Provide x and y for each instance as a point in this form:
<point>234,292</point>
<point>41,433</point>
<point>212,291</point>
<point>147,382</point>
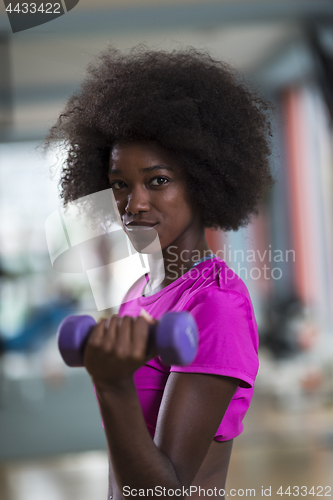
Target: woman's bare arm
<point>191,410</point>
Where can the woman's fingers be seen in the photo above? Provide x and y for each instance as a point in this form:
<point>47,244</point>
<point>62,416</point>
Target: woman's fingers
<point>94,343</point>
<point>97,334</point>
<point>140,334</point>
<point>116,349</point>
<point>122,338</point>
<point>110,329</point>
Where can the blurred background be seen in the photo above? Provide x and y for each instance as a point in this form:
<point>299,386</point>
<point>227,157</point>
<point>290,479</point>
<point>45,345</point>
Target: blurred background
<point>52,444</point>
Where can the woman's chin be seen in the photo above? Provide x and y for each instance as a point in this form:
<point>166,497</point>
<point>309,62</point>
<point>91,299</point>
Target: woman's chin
<point>144,239</point>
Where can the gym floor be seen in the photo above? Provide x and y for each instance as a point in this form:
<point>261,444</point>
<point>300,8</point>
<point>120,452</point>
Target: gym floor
<point>278,448</point>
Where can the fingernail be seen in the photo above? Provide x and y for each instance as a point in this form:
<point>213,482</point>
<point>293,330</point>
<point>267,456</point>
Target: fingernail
<point>147,316</point>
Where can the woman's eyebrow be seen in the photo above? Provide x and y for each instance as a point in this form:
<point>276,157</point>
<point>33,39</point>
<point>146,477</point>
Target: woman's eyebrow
<point>114,170</point>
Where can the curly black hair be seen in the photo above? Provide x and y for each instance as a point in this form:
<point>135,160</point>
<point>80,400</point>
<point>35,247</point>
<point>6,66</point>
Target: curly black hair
<point>189,103</point>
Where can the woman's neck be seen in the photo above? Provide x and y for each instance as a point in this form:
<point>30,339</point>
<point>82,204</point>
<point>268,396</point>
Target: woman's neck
<point>177,260</point>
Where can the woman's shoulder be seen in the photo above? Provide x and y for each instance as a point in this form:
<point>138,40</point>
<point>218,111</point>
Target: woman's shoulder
<point>215,279</point>
<point>228,334</point>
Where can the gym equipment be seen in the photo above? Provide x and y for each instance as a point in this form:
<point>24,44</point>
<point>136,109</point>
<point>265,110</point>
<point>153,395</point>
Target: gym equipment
<point>174,337</point>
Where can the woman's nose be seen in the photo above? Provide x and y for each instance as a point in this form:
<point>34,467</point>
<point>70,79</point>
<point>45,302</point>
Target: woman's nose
<point>137,201</point>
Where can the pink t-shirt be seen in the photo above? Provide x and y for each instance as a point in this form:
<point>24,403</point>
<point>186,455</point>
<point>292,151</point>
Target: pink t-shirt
<point>228,338</point>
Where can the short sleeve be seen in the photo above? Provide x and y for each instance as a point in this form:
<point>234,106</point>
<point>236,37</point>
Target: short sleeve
<point>228,336</point>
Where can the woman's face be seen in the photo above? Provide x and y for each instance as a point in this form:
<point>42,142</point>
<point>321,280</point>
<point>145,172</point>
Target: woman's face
<point>150,189</point>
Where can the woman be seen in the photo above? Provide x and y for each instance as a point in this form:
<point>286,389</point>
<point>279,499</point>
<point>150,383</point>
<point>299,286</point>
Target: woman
<point>183,145</point>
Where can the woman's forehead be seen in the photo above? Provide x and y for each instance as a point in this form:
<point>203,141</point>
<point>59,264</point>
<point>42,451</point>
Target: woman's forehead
<point>149,151</point>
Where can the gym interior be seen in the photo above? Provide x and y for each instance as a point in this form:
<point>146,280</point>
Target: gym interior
<point>52,444</point>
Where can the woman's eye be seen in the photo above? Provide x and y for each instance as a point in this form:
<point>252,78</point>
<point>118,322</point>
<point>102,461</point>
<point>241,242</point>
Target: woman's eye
<point>117,185</point>
<point>159,181</point>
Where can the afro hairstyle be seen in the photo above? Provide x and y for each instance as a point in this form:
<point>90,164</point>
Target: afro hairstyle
<point>195,106</point>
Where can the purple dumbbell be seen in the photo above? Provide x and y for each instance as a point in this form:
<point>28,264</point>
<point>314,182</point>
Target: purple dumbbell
<point>174,338</point>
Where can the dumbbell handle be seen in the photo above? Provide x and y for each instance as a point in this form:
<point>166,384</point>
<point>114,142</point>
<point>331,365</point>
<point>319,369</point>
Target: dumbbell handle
<point>174,337</point>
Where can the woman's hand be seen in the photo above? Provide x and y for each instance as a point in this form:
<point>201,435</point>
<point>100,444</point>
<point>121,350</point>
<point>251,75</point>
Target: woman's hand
<point>116,348</point>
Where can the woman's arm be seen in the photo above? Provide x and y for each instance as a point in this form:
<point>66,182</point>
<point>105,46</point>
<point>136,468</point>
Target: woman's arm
<point>191,410</point>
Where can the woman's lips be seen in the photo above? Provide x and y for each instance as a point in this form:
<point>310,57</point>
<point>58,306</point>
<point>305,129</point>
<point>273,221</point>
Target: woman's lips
<point>142,237</point>
<point>140,225</point>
